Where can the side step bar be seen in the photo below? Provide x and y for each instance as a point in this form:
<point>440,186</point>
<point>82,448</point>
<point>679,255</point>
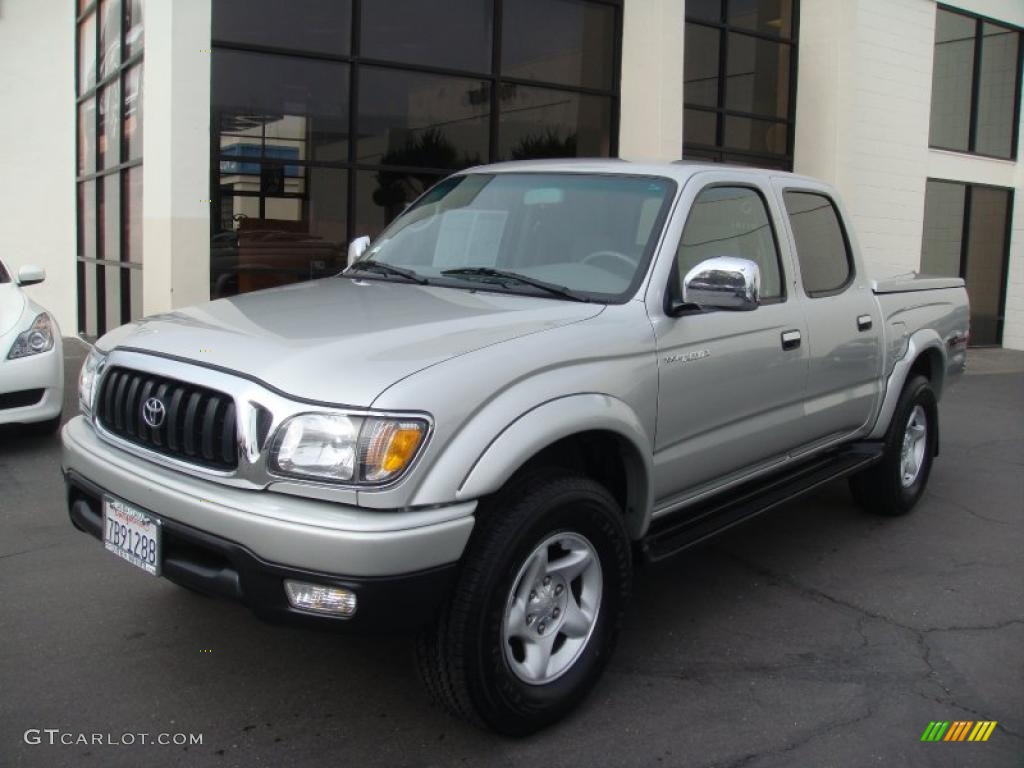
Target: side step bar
<point>691,525</point>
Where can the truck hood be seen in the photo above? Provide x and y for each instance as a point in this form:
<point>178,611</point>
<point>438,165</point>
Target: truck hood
<point>339,340</point>
<point>12,304</point>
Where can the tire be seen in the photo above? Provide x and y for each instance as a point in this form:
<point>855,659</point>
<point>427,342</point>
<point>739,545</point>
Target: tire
<point>887,487</point>
<point>467,658</point>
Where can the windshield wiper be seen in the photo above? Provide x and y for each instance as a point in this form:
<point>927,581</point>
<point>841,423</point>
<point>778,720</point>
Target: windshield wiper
<point>501,274</point>
<point>386,269</point>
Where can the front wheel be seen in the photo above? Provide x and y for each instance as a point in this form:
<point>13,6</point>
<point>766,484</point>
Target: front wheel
<point>536,610</point>
<point>894,485</point>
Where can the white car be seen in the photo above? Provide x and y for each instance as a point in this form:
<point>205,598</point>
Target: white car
<point>31,355</point>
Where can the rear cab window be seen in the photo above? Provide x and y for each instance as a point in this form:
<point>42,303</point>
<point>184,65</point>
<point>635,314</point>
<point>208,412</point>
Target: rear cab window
<point>822,248</point>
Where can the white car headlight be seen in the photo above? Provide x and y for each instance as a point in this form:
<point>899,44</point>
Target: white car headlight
<point>38,338</point>
<point>346,449</point>
<point>87,378</point>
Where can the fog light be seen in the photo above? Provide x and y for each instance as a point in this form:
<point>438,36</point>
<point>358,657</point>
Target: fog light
<point>318,598</point>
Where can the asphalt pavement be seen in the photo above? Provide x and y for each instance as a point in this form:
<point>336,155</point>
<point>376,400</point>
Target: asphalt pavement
<point>813,636</point>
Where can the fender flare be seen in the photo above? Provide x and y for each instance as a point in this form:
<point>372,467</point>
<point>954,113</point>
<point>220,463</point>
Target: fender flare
<point>920,342</point>
<point>562,417</point>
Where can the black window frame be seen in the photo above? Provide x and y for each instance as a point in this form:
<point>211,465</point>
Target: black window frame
<point>493,78</point>
<point>673,293</point>
<point>850,261</point>
<point>965,239</point>
<point>972,138</point>
<point>719,152</point>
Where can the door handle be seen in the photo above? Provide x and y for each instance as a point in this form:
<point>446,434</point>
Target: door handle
<point>790,339</point>
<point>864,323</point>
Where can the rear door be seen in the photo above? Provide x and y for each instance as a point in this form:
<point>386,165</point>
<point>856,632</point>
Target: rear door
<point>730,395</point>
<point>843,338</point>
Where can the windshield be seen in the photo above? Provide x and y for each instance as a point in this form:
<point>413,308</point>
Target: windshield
<point>591,234</point>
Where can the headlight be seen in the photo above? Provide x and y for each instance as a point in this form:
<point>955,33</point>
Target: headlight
<point>87,380</point>
<point>347,449</point>
<point>38,338</point>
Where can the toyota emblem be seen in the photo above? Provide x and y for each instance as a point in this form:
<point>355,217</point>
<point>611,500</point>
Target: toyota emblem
<point>153,412</point>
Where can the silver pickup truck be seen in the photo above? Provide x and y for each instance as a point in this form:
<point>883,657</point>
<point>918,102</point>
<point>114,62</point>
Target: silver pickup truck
<point>540,374</point>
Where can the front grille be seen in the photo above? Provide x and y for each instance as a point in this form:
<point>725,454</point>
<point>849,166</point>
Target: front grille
<point>198,424</point>
<point>20,399</point>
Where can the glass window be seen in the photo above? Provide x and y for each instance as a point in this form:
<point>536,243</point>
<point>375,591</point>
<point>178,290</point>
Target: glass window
<point>571,42</point>
<point>415,119</point>
<point>825,265</point>
<point>699,127</point>
<point>133,113</point>
<point>591,234</point>
<point>701,68</point>
<point>110,218</point>
<point>108,143</point>
<point>770,17</point>
<point>87,136</point>
<point>112,295</point>
<point>961,72</point>
<point>455,34</point>
<point>316,26</point>
<point>133,28</point>
<point>731,221</point>
<point>87,219</point>
<point>540,122</point>
<point>763,137</point>
<point>87,53</point>
<point>757,74</point>
<point>110,36</point>
<point>943,228</point>
<point>997,90</point>
<point>706,10</point>
<point>131,201</point>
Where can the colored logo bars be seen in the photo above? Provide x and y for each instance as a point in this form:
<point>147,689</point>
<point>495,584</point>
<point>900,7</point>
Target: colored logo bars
<point>959,730</point>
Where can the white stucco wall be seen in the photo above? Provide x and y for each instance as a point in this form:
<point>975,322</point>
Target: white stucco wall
<point>37,142</point>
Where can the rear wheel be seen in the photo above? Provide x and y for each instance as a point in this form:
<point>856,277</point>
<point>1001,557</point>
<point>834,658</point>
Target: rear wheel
<point>536,610</point>
<point>894,485</point>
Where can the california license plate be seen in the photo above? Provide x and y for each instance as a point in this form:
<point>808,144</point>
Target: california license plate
<point>131,534</point>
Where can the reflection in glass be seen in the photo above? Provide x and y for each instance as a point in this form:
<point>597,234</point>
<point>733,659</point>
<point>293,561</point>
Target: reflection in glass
<point>108,145</point>
<point>415,119</point>
<point>91,300</point>
<point>997,90</point>
<point>952,70</point>
<point>110,224</point>
<point>771,17</point>
<point>701,66</point>
<point>315,26</point>
<point>110,36</point>
<point>706,10</point>
<point>135,286</point>
<point>133,113</point>
<point>455,34</point>
<point>758,76</point>
<point>943,228</point>
<point>87,54</point>
<point>112,296</point>
<point>761,136</point>
<point>133,27</point>
<point>699,126</point>
<point>382,195</point>
<point>570,42</point>
<point>820,245</point>
<point>131,202</point>
<point>87,136</point>
<point>87,219</point>
<point>986,260</point>
<point>539,122</point>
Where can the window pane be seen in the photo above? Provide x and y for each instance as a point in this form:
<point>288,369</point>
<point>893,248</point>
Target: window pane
<point>943,228</point>
<point>110,218</point>
<point>773,17</point>
<point>699,127</point>
<point>110,36</point>
<point>108,143</point>
<point>538,122</point>
<point>293,228</point>
<point>820,245</point>
<point>279,104</point>
<point>87,53</point>
<point>382,195</point>
<point>708,10</point>
<point>91,326</point>
<point>112,285</point>
<point>133,113</point>
<point>433,121</point>
<point>455,33</point>
<point>997,90</point>
<point>731,221</point>
<point>762,136</point>
<point>701,66</point>
<point>952,72</point>
<point>133,27</point>
<point>132,225</point>
<point>87,219</point>
<point>755,162</point>
<point>135,287</point>
<point>87,136</point>
<point>986,256</point>
<point>571,42</point>
<point>321,26</point>
<point>758,76</point>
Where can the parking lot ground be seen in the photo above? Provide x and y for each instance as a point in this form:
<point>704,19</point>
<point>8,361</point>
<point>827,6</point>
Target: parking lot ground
<point>813,636</point>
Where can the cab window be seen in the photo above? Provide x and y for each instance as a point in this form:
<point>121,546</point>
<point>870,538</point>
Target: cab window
<point>825,264</point>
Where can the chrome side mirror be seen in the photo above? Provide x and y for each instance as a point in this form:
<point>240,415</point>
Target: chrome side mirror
<point>357,248</point>
<point>723,282</point>
<point>31,275</point>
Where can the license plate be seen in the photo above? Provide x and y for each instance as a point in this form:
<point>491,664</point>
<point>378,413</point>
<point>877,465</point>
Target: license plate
<point>131,534</point>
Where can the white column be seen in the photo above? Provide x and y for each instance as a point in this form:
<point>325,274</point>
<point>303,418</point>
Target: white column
<point>176,155</point>
<point>651,123</point>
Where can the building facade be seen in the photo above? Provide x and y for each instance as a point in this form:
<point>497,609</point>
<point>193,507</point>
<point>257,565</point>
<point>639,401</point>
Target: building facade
<point>197,149</point>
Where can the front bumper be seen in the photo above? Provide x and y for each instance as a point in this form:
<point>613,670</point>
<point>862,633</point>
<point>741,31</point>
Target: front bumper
<point>28,375</point>
<point>242,544</point>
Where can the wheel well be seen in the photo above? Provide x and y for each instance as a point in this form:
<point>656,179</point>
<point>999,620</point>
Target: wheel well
<point>930,365</point>
<point>606,458</point>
